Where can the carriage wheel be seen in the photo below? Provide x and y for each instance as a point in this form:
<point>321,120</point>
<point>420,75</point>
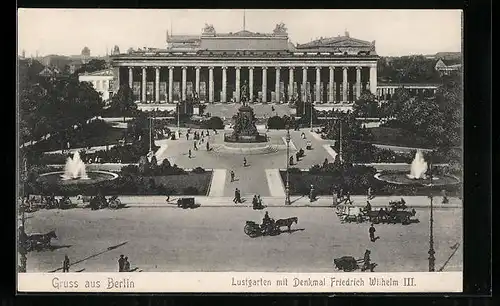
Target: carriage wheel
<point>248,230</point>
<point>406,220</point>
<point>113,204</point>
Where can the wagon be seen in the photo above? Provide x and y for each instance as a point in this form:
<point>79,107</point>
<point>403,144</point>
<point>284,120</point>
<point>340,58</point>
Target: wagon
<point>349,264</point>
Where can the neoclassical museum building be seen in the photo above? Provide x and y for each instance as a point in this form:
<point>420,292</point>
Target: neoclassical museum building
<point>213,67</point>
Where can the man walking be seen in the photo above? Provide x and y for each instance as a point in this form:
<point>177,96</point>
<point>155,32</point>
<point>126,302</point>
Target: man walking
<point>121,263</point>
<point>189,153</point>
<point>66,264</point>
<point>208,146</point>
<point>195,147</point>
<point>232,176</point>
<point>312,196</point>
<point>126,265</point>
<point>367,262</point>
<point>244,161</point>
<point>372,234</point>
<point>369,193</point>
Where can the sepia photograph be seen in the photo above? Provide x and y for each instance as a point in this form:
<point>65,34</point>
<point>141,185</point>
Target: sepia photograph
<point>316,148</point>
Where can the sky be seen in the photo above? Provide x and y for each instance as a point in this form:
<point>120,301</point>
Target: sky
<point>396,32</point>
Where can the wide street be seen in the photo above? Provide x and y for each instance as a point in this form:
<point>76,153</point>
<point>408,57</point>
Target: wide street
<point>212,239</point>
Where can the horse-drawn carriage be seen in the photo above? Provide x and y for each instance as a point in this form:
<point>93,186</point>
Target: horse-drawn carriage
<point>269,228</point>
<point>349,264</point>
<point>397,214</point>
<point>36,202</point>
<point>100,202</point>
<point>37,241</point>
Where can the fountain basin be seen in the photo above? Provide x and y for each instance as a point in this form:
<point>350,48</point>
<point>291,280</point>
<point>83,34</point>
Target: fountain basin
<point>57,178</point>
<point>401,178</point>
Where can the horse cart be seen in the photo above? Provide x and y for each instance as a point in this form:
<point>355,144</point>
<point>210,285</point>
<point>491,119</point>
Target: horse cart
<point>271,228</point>
<point>349,214</point>
<point>96,203</point>
<point>38,241</point>
<point>253,229</point>
<point>349,264</point>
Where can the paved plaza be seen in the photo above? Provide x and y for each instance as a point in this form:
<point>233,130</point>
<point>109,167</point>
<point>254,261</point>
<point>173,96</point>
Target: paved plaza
<point>159,237</point>
<point>212,239</point>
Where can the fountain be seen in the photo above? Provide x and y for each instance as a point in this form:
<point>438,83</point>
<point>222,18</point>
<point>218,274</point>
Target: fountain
<point>74,168</point>
<point>75,172</point>
<point>417,175</point>
<point>418,167</point>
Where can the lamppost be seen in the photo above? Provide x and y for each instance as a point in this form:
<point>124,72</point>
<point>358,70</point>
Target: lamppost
<point>312,109</point>
<point>178,119</point>
<point>287,199</point>
<point>431,252</point>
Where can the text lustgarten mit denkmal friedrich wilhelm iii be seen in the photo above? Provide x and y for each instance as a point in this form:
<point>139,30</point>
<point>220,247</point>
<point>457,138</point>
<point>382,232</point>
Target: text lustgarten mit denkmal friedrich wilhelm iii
<point>331,282</point>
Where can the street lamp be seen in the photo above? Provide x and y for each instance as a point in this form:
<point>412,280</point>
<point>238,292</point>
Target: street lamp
<point>287,199</point>
<point>431,252</point>
<point>312,109</point>
<point>178,119</point>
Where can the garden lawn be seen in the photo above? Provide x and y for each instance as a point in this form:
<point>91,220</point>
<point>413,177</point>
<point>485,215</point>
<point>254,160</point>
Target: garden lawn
<point>186,184</point>
<point>325,184</point>
<point>105,134</point>
<point>397,137</point>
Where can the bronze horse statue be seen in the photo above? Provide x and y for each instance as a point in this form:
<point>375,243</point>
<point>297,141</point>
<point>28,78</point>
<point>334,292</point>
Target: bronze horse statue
<point>287,222</point>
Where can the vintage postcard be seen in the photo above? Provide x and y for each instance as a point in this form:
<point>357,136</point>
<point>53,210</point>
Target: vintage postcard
<point>240,150</point>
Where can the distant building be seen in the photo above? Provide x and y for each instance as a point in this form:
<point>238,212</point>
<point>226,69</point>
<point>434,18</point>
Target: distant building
<point>445,67</point>
<point>386,91</point>
<point>50,72</point>
<point>101,80</point>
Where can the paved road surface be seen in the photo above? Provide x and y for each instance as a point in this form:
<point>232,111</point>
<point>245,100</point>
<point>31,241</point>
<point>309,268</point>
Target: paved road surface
<point>212,239</point>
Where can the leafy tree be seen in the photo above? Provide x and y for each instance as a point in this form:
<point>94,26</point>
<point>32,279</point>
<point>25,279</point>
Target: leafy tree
<point>123,101</point>
<point>366,105</point>
<point>92,66</point>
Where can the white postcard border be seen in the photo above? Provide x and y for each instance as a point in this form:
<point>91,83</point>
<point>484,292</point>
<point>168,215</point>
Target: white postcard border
<point>242,282</point>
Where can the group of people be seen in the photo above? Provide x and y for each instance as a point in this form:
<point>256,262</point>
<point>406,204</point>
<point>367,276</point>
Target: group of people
<point>199,138</point>
<point>257,202</point>
<point>123,264</point>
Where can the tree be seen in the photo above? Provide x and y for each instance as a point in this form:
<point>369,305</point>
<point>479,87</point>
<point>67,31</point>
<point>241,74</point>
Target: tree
<point>92,66</point>
<point>123,101</point>
<point>366,105</point>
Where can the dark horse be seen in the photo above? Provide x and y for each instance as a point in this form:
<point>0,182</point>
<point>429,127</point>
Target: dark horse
<point>286,222</point>
<point>40,241</point>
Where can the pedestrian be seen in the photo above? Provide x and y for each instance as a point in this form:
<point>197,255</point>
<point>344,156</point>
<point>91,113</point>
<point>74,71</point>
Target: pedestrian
<point>244,161</point>
<point>235,200</point>
<point>255,202</point>
<point>194,146</point>
<point>66,264</point>
<point>334,199</point>
<point>291,161</point>
<point>202,133</point>
<point>208,146</point>
<point>303,135</point>
<point>232,176</point>
<point>259,201</point>
<point>341,194</point>
<point>445,197</point>
<point>325,162</point>
<point>126,265</point>
<point>369,193</point>
<point>121,263</point>
<point>168,198</point>
<point>238,196</point>
<point>311,194</point>
<point>367,262</point>
<point>371,231</point>
<point>187,136</point>
<point>189,153</point>
<point>348,197</point>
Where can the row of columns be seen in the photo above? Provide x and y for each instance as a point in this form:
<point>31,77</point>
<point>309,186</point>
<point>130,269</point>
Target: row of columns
<point>373,83</point>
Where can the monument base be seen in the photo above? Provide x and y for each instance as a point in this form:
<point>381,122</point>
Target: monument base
<point>245,148</point>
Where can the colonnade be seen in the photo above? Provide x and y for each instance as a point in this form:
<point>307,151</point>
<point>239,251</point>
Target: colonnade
<point>329,84</point>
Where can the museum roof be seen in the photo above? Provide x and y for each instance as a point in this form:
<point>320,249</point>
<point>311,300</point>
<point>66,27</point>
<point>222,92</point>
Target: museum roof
<point>104,72</point>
